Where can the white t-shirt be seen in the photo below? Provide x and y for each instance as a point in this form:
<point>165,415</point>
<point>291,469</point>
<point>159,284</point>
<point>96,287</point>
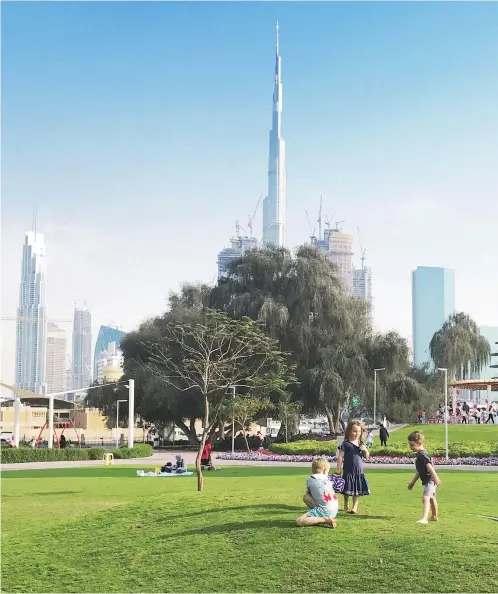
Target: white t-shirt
<point>322,491</point>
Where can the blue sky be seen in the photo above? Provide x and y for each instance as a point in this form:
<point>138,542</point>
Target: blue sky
<point>140,130</point>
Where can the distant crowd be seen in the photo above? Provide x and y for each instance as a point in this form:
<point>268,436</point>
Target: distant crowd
<point>464,413</point>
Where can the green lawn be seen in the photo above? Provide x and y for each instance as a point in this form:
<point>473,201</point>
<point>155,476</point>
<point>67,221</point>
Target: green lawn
<point>456,433</point>
<point>105,530</point>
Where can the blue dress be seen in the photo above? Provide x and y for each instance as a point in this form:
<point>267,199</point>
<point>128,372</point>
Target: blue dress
<point>355,482</point>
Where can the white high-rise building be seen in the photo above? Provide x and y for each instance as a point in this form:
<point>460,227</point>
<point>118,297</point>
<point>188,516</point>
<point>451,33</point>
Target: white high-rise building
<point>32,316</point>
<point>240,245</point>
<point>82,349</point>
<point>56,359</point>
<point>275,203</point>
<point>362,283</point>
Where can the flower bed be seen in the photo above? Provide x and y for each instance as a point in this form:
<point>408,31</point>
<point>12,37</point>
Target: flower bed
<point>265,456</point>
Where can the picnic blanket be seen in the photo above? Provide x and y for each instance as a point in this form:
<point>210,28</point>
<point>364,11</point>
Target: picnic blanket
<point>161,474</point>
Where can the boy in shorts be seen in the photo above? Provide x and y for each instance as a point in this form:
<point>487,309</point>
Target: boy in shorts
<point>428,476</point>
<point>320,497</point>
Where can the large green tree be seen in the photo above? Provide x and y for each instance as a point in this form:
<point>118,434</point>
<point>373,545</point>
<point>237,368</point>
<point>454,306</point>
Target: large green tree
<point>206,358</point>
<point>302,303</point>
<point>459,347</point>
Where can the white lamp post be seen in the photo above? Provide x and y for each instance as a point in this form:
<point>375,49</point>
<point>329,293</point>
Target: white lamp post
<point>445,371</point>
<point>375,393</point>
<point>232,389</point>
<point>131,412</point>
<point>117,421</point>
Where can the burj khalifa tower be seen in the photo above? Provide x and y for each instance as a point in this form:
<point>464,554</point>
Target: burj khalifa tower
<point>275,203</point>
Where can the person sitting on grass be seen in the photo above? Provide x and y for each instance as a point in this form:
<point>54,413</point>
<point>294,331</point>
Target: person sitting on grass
<point>319,497</point>
<point>180,462</point>
<point>428,476</point>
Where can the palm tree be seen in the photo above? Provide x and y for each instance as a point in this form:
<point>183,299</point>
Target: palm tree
<point>459,347</point>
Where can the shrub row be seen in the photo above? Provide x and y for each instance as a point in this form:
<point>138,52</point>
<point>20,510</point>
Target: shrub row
<point>306,447</point>
<point>472,449</point>
<point>14,455</point>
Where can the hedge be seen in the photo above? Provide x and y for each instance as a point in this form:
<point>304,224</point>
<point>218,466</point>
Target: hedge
<point>471,449</point>
<point>23,454</point>
<point>313,447</point>
<point>140,450</point>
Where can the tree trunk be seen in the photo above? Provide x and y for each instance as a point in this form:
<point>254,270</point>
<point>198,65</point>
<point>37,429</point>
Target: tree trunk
<point>330,418</point>
<point>336,417</point>
<point>221,429</point>
<point>205,428</point>
<point>191,434</point>
<point>248,449</point>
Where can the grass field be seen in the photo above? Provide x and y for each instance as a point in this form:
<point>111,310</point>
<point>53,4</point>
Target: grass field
<point>105,530</point>
<point>456,433</point>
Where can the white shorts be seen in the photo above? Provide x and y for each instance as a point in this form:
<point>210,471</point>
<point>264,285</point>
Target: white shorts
<point>430,490</point>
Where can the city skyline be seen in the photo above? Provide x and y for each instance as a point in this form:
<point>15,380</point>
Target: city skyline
<point>399,138</point>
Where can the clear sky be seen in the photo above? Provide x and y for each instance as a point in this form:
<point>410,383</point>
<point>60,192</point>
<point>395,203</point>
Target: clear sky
<point>140,130</point>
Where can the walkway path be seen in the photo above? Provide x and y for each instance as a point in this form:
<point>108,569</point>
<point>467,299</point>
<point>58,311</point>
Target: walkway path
<point>160,458</point>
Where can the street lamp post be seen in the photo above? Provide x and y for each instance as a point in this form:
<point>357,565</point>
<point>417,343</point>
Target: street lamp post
<point>232,389</point>
<point>117,421</point>
<point>375,393</point>
<point>445,371</point>
<point>131,412</point>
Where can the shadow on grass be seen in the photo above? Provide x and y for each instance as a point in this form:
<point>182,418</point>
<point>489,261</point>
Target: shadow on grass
<point>366,517</point>
<point>232,527</point>
<point>270,507</point>
<point>44,494</point>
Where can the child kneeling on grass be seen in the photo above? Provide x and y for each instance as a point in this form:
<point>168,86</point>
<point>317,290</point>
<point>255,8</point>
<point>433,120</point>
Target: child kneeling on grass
<point>428,476</point>
<point>319,497</point>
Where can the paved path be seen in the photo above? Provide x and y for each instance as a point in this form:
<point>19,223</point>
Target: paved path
<point>160,458</point>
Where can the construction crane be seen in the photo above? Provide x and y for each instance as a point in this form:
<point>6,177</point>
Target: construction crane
<point>28,319</point>
<point>337,223</point>
<point>320,219</point>
<point>251,219</point>
<point>362,251</point>
<point>312,231</point>
<point>239,228</point>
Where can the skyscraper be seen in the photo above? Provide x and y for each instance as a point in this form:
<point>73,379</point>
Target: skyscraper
<point>32,316</point>
<point>362,283</point>
<point>56,358</point>
<point>275,203</point>
<point>82,348</point>
<point>338,248</point>
<point>106,336</point>
<point>433,301</point>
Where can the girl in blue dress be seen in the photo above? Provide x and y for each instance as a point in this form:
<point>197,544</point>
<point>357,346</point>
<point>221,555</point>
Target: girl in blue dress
<point>350,463</point>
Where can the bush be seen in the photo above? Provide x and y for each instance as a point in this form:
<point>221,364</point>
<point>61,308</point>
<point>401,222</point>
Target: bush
<point>14,455</point>
<point>95,453</point>
<point>23,454</point>
<point>312,447</point>
<point>141,450</point>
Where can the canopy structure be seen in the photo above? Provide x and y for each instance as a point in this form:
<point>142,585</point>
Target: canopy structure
<point>475,385</point>
<point>34,399</point>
